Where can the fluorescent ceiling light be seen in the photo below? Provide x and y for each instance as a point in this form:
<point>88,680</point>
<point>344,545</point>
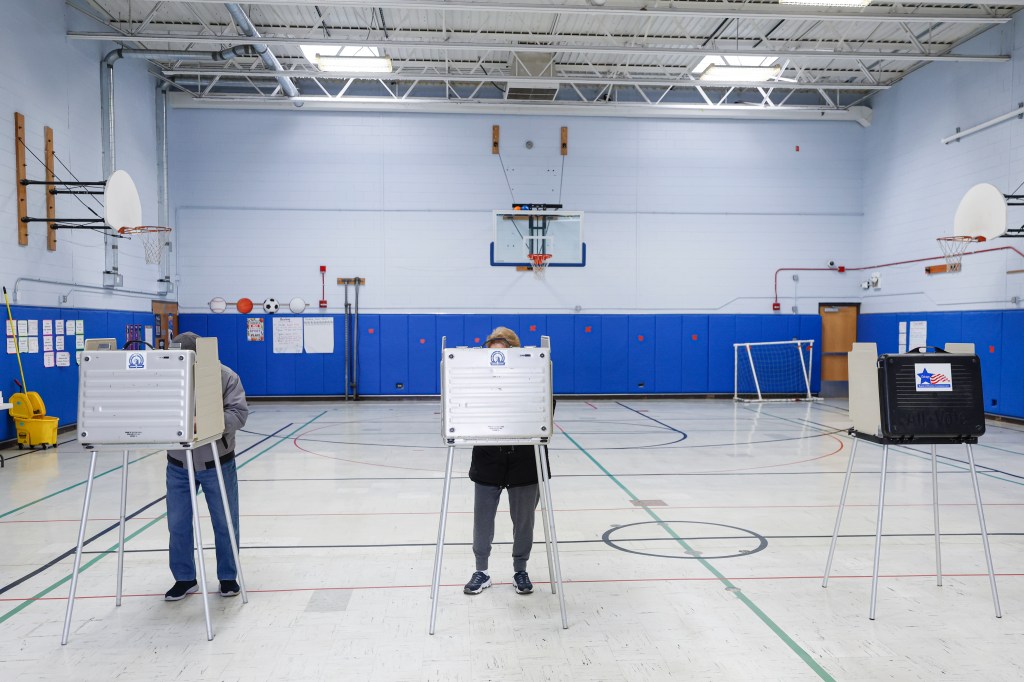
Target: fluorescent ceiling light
<point>347,58</point>
<point>828,3</point>
<point>740,73</point>
<point>736,68</point>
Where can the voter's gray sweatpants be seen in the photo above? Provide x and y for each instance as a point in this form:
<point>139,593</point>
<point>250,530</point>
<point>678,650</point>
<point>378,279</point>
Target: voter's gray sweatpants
<point>523,502</point>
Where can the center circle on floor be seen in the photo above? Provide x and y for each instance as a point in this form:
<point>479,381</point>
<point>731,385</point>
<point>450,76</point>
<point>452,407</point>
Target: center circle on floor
<point>689,539</point>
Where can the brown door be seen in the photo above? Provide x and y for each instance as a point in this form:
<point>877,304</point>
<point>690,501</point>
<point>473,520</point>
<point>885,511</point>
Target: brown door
<point>166,323</point>
<point>838,334</point>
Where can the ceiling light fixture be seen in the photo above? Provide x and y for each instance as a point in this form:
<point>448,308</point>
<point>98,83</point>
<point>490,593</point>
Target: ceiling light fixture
<point>347,58</point>
<point>740,74</point>
<point>828,3</point>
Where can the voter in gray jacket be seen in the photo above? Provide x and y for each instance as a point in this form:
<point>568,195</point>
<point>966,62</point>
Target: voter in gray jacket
<point>179,502</point>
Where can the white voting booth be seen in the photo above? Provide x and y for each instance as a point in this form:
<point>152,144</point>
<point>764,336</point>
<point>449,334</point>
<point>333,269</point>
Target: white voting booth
<point>132,400</point>
<point>498,396</point>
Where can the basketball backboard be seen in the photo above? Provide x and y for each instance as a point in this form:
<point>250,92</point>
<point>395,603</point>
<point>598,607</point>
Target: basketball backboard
<point>559,233</point>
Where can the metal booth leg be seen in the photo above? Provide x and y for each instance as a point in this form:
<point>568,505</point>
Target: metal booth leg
<point>839,514</point>
<point>878,530</point>
<point>546,490</point>
<point>199,541</point>
<point>231,523</point>
<point>439,552</point>
<point>544,517</point>
<point>120,529</point>
<point>78,550</point>
<point>935,511</point>
<point>984,531</point>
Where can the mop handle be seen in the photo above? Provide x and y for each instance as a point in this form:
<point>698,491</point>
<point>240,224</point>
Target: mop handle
<point>17,342</point>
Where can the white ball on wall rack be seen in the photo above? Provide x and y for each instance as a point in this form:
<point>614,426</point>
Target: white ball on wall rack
<point>297,305</point>
<point>218,305</point>
<point>271,306</point>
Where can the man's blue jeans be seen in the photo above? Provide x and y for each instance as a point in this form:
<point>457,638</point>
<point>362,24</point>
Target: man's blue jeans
<point>179,519</point>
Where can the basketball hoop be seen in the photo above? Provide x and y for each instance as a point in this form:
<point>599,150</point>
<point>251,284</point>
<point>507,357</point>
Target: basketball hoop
<point>540,262</point>
<point>953,249</point>
<point>152,240</point>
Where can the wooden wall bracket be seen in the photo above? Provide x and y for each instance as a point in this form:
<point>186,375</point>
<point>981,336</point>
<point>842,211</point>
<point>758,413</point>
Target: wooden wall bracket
<point>51,199</point>
<point>20,170</point>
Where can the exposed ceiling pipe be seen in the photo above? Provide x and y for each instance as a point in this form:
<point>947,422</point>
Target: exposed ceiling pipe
<point>247,27</point>
<point>111,277</point>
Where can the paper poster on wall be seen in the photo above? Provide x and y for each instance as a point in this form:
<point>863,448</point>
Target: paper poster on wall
<point>63,359</point>
<point>287,334</point>
<point>48,360</point>
<point>79,342</point>
<point>148,334</point>
<point>903,342</point>
<point>319,334</point>
<point>58,327</point>
<point>33,327</point>
<point>918,334</point>
<point>10,328</point>
<point>33,344</point>
<point>58,342</point>
<point>22,327</point>
<point>79,326</point>
<point>47,344</point>
<point>254,328</point>
<point>47,327</point>
<point>11,349</point>
<point>22,344</point>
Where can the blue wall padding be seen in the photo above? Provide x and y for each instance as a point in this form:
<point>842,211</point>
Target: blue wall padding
<point>997,336</point>
<point>593,354</point>
<point>58,386</point>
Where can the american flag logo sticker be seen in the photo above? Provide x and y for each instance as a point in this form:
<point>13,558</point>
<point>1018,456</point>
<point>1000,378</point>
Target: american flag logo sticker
<point>934,376</point>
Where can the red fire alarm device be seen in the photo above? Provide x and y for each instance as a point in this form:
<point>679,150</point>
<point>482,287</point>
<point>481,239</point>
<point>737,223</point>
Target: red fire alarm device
<point>776,306</point>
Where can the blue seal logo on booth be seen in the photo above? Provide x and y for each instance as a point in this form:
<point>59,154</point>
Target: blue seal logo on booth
<point>933,377</point>
<point>497,359</point>
<point>137,361</point>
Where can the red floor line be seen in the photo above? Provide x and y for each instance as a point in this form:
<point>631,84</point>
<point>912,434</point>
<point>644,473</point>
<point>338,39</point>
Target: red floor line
<point>560,511</point>
<point>567,582</point>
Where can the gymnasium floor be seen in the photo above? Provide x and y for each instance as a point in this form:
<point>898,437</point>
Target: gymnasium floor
<point>693,539</point>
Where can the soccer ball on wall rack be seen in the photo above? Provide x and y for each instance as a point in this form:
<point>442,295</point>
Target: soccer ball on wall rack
<point>271,306</point>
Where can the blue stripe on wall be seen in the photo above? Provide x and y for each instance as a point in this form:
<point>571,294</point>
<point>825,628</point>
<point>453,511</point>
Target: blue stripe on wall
<point>58,386</point>
<point>593,354</point>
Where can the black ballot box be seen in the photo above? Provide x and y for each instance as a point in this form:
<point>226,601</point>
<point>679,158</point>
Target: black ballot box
<point>931,396</point>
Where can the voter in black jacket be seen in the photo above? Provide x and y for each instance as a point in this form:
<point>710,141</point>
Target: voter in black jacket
<point>494,467</point>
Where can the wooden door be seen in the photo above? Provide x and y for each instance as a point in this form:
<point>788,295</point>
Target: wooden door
<point>166,323</point>
<point>838,334</point>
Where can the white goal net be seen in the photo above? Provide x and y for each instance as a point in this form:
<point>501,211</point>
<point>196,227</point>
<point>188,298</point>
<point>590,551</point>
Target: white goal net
<point>773,370</point>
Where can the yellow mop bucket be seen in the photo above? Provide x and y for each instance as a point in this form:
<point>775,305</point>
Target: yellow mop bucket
<point>30,421</point>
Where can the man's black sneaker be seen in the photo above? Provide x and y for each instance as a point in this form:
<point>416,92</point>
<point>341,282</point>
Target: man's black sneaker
<point>229,588</point>
<point>478,583</point>
<point>522,581</point>
<point>180,589</point>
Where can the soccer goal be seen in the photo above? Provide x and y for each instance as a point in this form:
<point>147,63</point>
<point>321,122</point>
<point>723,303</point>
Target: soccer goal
<point>773,370</point>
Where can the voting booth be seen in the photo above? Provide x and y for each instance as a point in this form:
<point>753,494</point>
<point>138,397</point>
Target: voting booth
<point>144,400</point>
<point>916,398</point>
<point>498,396</point>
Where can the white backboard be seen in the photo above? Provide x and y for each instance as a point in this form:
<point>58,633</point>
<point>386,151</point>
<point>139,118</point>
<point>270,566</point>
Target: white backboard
<point>519,233</point>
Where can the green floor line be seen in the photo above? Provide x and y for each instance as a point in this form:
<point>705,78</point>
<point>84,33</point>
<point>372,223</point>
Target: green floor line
<point>113,549</point>
<point>796,648</point>
<point>72,487</point>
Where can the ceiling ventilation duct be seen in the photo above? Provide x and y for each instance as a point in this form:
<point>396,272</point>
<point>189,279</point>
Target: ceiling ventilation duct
<point>532,68</point>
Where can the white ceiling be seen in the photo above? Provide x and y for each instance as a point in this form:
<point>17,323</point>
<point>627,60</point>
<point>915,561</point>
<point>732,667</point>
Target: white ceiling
<point>617,57</point>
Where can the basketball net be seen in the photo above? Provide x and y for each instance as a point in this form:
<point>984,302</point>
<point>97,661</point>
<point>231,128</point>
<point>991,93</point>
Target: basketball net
<point>152,240</point>
<point>953,249</point>
<point>540,262</point>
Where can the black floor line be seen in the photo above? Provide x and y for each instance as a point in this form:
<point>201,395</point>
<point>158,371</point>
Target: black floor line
<point>70,552</point>
<point>596,541</point>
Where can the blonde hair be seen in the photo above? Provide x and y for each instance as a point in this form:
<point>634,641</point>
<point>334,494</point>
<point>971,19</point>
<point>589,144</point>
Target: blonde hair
<point>503,334</point>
